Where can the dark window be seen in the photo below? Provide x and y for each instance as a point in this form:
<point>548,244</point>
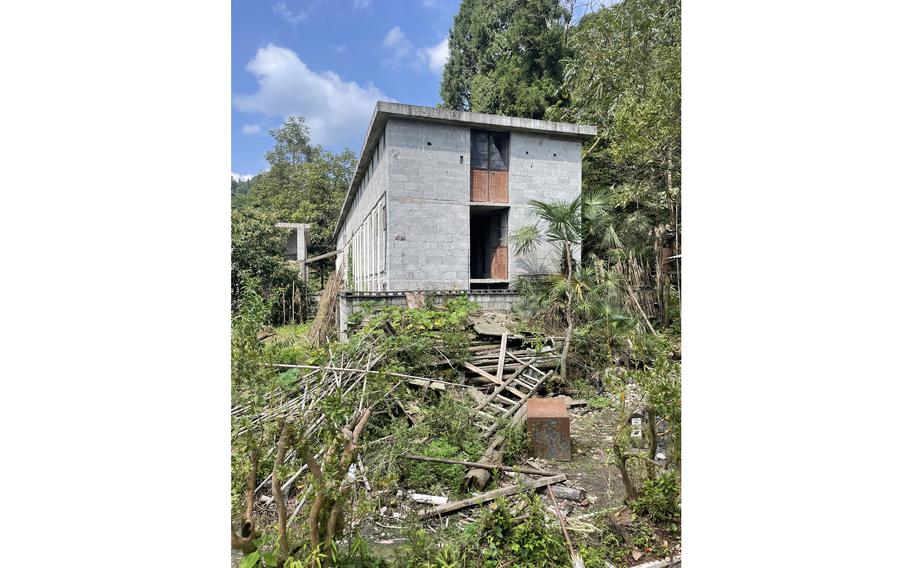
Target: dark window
<point>490,150</point>
<point>499,151</point>
<point>479,150</point>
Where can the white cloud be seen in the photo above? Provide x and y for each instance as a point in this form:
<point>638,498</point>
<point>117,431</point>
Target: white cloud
<point>435,56</point>
<point>400,48</point>
<point>362,4</point>
<point>340,48</point>
<point>336,111</point>
<point>398,45</point>
<point>241,177</point>
<point>250,129</point>
<point>281,8</point>
<point>395,39</point>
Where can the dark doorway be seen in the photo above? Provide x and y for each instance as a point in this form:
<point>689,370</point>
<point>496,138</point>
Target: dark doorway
<point>489,243</point>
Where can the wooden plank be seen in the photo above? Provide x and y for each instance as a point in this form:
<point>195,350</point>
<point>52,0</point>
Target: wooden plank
<point>480,185</point>
<point>471,367</point>
<point>502,356</point>
<point>321,256</point>
<point>499,265</point>
<point>489,496</point>
<point>525,398</point>
<point>499,187</point>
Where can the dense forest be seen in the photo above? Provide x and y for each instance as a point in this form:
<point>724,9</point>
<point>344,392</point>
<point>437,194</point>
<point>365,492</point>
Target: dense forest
<point>312,415</point>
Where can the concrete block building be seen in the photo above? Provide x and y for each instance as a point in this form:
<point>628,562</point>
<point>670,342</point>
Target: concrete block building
<point>437,192</point>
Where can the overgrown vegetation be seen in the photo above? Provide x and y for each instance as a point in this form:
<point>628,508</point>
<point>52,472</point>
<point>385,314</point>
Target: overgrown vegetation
<point>304,184</point>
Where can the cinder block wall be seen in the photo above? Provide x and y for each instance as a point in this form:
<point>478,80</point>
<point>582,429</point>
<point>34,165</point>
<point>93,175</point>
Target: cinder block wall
<point>546,169</point>
<point>429,185</point>
<point>489,300</point>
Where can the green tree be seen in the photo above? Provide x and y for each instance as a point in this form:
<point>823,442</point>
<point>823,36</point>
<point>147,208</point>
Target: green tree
<point>257,252</point>
<point>304,184</point>
<point>505,57</point>
<point>624,76</point>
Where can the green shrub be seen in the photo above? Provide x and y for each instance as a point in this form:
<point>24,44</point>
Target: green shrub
<point>659,499</point>
<point>424,475</point>
<point>517,444</point>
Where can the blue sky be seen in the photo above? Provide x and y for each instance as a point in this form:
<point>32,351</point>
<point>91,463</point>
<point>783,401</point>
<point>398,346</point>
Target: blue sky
<point>329,60</point>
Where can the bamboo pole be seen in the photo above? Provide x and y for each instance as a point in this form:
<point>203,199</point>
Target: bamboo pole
<point>492,467</point>
<point>489,496</point>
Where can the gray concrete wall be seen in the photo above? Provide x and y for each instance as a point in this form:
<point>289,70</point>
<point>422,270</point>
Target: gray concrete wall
<point>545,169</point>
<point>429,185</point>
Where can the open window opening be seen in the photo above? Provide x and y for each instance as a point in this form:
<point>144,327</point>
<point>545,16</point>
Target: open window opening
<point>489,247</point>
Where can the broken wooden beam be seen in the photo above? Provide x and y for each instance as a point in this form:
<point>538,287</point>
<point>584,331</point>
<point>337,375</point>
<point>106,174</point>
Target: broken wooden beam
<point>489,496</point>
<point>492,467</point>
<point>478,477</point>
<point>502,356</point>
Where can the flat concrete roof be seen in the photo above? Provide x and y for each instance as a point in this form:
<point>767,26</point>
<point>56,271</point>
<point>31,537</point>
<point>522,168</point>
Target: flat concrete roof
<point>386,110</point>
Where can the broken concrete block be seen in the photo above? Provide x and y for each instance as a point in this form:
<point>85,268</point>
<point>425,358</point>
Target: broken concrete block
<point>548,428</point>
<point>637,437</point>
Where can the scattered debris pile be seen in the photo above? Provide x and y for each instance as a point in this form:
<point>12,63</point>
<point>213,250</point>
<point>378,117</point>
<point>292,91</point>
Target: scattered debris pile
<point>324,458</point>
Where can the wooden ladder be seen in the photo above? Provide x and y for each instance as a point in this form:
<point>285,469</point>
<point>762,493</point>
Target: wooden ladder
<point>508,397</point>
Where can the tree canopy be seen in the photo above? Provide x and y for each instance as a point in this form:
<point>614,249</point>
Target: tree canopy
<point>505,57</point>
<point>304,184</point>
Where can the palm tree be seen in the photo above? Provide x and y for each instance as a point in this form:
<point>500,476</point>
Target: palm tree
<point>563,233</point>
<point>599,292</point>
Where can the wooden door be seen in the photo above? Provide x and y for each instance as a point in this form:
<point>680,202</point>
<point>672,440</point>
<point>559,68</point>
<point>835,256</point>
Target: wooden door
<point>499,186</point>
<point>499,268</point>
<point>480,185</point>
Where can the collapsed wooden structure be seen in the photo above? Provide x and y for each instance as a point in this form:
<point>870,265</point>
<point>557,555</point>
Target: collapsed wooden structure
<point>502,374</point>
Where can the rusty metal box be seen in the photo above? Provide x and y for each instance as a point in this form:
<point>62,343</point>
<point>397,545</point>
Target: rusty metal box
<point>548,428</point>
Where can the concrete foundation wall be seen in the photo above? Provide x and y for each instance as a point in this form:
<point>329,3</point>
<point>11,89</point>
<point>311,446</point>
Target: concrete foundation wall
<point>489,300</point>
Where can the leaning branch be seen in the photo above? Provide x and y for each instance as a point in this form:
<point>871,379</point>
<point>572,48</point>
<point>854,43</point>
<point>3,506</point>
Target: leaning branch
<point>489,496</point>
<point>491,467</point>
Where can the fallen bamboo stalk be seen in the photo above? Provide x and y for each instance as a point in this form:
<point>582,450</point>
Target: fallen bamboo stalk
<point>492,467</point>
<point>366,371</point>
<point>577,561</point>
<point>489,496</point>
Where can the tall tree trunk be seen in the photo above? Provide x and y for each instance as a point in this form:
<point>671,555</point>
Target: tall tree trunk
<point>244,541</point>
<point>621,463</point>
<point>651,417</point>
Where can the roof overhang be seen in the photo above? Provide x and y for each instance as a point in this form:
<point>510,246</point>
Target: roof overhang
<point>385,110</point>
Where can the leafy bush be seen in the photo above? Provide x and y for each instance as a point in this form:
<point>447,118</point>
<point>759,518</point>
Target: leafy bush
<point>257,252</point>
<point>517,444</point>
<point>413,339</point>
<point>430,475</point>
<point>659,499</point>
